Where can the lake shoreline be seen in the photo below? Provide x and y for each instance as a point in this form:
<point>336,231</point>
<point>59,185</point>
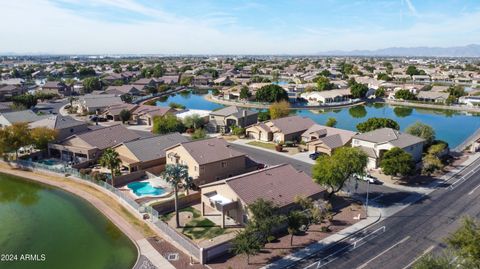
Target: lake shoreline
<point>53,180</point>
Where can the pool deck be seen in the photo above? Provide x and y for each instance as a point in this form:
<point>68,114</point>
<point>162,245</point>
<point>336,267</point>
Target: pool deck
<point>143,246</point>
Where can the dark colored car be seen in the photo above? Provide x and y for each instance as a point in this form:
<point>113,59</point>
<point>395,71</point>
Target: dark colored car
<point>314,155</point>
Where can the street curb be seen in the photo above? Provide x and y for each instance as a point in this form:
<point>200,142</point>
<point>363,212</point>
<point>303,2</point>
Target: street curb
<point>330,245</point>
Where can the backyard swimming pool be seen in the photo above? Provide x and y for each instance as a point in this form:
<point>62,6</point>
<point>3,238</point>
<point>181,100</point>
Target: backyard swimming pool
<point>145,188</point>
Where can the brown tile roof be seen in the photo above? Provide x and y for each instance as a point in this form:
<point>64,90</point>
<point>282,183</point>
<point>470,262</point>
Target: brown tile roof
<point>396,138</point>
<point>210,150</point>
<point>279,184</point>
<point>108,136</point>
<point>292,124</point>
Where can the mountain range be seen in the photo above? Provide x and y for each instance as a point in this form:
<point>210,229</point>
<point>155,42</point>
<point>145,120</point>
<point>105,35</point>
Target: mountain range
<point>472,50</point>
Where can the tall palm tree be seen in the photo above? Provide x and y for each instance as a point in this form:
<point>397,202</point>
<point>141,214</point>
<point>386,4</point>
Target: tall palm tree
<point>177,174</point>
<point>110,160</point>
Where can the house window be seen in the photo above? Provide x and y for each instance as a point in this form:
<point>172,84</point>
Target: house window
<point>224,164</point>
<point>195,168</point>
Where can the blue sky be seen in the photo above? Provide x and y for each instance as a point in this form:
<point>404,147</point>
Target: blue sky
<point>234,26</point>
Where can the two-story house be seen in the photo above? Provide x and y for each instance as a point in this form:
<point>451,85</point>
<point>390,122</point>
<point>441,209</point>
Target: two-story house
<point>209,160</point>
<point>224,119</point>
<point>377,142</point>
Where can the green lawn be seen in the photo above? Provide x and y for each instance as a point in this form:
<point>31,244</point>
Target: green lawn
<point>196,213</point>
<point>201,228</point>
<point>262,145</point>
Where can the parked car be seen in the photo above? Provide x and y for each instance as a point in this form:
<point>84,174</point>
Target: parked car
<point>314,155</point>
<point>369,178</point>
<point>98,119</point>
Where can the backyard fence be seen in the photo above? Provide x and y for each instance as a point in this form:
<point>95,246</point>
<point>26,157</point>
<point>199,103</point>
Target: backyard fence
<point>168,231</point>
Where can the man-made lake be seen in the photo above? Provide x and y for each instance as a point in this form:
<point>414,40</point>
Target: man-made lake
<point>451,126</point>
<point>70,233</point>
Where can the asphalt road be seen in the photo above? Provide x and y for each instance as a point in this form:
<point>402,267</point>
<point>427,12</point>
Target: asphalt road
<point>382,195</point>
<point>419,229</point>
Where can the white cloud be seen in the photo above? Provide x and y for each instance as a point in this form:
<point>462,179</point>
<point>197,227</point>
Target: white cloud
<point>41,26</point>
<point>411,8</point>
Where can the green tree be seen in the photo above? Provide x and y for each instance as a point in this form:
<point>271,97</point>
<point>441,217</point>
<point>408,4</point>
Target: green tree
<point>422,130</point>
<point>279,110</point>
<point>263,115</point>
<point>431,262</point>
<point>331,122</point>
<point>405,95</point>
<point>176,105</point>
<point>323,84</point>
<point>357,111</point>
<point>397,161</point>
<point>333,171</point>
<point>385,77</point>
<point>125,115</point>
<point>199,134</point>
<point>14,137</point>
<point>295,220</point>
<point>176,174</point>
<point>359,90</point>
<point>91,84</point>
<point>247,243</point>
<point>245,93</point>
<point>377,123</point>
<point>380,92</point>
<point>465,243</point>
<point>325,73</point>
<point>194,121</point>
<point>412,70</point>
<point>271,93</point>
<point>110,159</point>
<point>41,136</point>
<point>167,124</point>
<point>264,217</point>
<point>25,100</point>
<point>186,80</point>
<point>402,112</point>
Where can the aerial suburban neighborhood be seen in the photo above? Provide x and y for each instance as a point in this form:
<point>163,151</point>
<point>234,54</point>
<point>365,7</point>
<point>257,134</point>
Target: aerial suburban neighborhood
<point>186,158</point>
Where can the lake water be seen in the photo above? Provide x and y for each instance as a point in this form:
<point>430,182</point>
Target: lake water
<point>450,126</point>
<point>37,219</point>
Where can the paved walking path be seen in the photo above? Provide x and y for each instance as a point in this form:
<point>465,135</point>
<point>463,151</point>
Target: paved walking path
<point>143,246</point>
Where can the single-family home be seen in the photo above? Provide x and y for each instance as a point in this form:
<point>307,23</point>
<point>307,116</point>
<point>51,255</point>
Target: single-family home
<point>64,126</point>
<point>377,142</point>
<point>56,87</point>
<point>324,139</point>
<point>432,96</point>
<point>325,97</point>
<point>224,119</point>
<point>280,130</point>
<point>90,145</point>
<point>8,91</point>
<point>280,184</point>
<point>133,90</point>
<point>469,100</point>
<point>144,114</point>
<point>92,103</point>
<point>209,160</point>
<point>9,118</point>
<point>147,153</point>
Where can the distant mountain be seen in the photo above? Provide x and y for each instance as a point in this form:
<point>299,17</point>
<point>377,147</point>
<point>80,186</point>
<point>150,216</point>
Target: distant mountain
<point>472,50</point>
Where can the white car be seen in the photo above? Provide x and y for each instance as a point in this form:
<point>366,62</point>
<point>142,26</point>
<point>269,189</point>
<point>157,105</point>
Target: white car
<point>369,178</point>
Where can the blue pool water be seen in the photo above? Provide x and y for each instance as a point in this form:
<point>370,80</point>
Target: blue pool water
<point>451,126</point>
<point>145,189</point>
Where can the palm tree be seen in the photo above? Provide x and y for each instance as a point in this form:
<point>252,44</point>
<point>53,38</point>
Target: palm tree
<point>110,160</point>
<point>175,174</point>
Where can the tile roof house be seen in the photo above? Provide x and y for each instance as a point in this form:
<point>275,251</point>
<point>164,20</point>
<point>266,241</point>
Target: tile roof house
<point>90,145</point>
<point>223,119</point>
<point>149,152</point>
<point>8,91</point>
<point>209,159</point>
<point>280,130</point>
<point>377,142</point>
<point>65,126</point>
<point>325,139</point>
<point>144,114</point>
<point>433,96</point>
<point>97,102</point>
<point>125,89</point>
<point>9,118</point>
<point>280,184</point>
<point>56,87</point>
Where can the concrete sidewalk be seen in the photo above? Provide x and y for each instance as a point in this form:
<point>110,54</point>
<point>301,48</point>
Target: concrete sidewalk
<point>375,215</point>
